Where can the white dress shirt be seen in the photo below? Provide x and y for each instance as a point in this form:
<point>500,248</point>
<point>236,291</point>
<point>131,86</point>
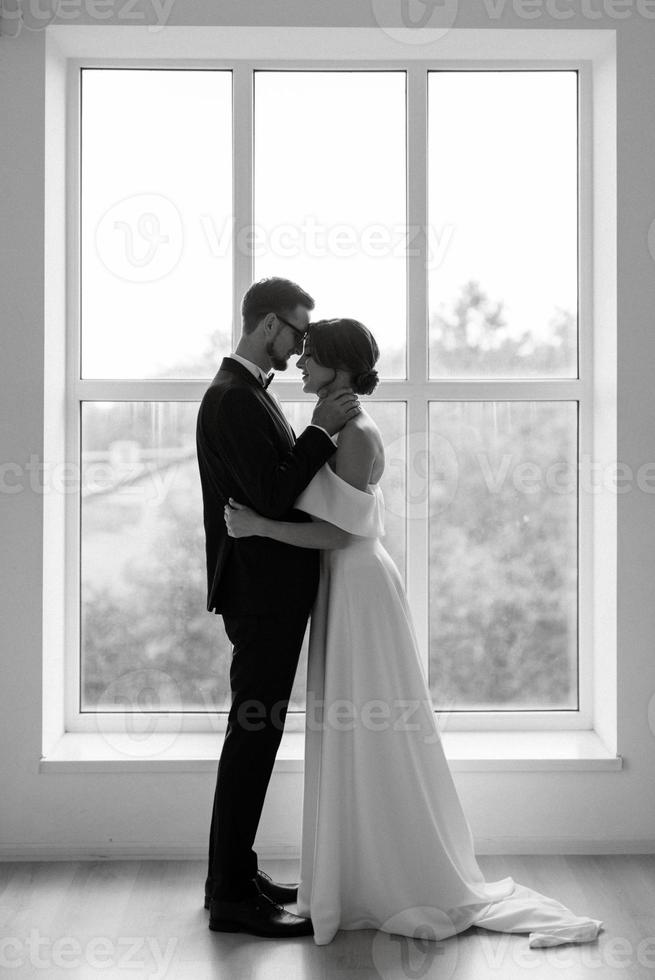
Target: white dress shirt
<point>261,375</point>
<point>252,367</point>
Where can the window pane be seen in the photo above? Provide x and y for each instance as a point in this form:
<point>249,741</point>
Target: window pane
<point>156,235</point>
<point>503,555</point>
<point>503,224</point>
<point>148,642</point>
<point>390,417</point>
<point>330,196</point>
<point>147,638</point>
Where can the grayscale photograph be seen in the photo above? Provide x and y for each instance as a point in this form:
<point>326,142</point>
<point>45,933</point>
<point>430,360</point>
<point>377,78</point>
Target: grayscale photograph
<point>327,483</point>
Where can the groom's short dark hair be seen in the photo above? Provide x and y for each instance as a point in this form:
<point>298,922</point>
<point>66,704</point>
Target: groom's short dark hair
<point>272,295</point>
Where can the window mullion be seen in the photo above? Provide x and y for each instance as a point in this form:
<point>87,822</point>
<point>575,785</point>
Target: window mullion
<point>586,446</point>
<point>417,215</point>
<point>417,507</point>
<point>72,652</point>
<point>243,193</point>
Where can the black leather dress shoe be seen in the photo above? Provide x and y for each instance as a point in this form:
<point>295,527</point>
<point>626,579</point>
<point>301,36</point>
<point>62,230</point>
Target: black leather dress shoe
<point>277,892</point>
<point>283,894</point>
<point>257,915</point>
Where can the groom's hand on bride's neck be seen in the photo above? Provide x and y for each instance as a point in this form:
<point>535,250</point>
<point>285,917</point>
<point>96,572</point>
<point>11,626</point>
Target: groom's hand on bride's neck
<point>333,410</point>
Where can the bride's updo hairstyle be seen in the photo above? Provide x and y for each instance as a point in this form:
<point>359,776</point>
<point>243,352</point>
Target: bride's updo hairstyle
<point>349,345</point>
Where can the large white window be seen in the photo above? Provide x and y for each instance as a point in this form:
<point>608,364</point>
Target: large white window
<point>442,208</point>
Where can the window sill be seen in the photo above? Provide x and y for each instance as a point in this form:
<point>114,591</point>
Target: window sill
<point>82,752</point>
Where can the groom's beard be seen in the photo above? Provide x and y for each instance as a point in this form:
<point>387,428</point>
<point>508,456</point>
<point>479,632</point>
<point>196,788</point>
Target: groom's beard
<point>277,361</point>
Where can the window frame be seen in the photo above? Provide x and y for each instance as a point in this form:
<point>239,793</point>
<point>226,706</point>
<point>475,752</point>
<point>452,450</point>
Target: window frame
<point>417,390</point>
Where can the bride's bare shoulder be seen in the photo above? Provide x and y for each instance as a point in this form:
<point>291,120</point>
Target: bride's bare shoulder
<point>359,450</point>
<point>363,429</point>
<point>361,432</point>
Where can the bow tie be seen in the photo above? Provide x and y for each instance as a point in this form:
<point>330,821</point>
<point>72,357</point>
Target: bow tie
<point>267,380</point>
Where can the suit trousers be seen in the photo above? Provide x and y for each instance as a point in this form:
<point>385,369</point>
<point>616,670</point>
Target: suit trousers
<point>262,671</point>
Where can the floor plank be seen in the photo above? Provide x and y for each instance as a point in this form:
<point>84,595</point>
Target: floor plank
<point>145,919</point>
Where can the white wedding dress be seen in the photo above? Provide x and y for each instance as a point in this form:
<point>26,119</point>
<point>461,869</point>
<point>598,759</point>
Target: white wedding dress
<point>385,842</point>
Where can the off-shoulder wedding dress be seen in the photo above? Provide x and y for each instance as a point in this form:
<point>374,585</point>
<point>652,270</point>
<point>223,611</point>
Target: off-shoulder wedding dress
<point>385,842</point>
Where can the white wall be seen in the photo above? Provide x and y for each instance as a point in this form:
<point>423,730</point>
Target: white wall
<point>53,813</point>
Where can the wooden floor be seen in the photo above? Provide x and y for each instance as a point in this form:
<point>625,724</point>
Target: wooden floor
<point>138,919</point>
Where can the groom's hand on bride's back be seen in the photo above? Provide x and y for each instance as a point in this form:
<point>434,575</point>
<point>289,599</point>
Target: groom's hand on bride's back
<point>337,408</point>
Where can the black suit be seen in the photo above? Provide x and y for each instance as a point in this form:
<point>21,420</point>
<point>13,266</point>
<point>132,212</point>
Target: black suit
<point>264,590</point>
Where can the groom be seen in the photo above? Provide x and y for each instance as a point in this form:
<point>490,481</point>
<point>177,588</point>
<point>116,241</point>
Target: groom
<point>263,589</point>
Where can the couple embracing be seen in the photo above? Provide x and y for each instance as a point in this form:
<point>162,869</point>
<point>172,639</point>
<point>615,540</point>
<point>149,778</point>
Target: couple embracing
<point>293,527</point>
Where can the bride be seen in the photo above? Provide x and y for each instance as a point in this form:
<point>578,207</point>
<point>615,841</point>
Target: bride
<point>385,842</point>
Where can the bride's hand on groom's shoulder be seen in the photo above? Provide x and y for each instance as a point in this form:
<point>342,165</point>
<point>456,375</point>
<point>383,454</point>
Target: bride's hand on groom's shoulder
<point>241,521</point>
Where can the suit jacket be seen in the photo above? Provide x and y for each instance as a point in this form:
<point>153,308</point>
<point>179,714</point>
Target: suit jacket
<point>247,450</point>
